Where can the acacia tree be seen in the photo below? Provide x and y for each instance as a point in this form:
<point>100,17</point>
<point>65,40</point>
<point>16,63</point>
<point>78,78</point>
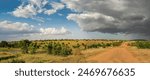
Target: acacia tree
<point>59,49</point>
<point>24,44</point>
<point>4,44</point>
<point>50,48</point>
<point>33,47</point>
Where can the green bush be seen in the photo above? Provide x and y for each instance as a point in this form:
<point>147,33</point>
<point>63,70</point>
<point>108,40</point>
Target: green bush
<point>142,44</point>
<point>4,44</point>
<point>32,48</point>
<point>116,43</point>
<point>24,45</point>
<point>59,49</point>
<point>77,46</point>
<point>104,45</point>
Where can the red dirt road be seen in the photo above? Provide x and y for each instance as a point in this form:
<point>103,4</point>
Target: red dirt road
<point>115,54</point>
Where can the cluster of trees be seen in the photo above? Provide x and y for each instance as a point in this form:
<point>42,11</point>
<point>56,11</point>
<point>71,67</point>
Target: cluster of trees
<point>59,49</point>
<point>28,47</point>
<point>103,45</point>
<point>55,48</point>
<point>5,44</point>
<point>142,44</point>
<point>116,43</point>
<point>25,45</point>
<point>98,45</point>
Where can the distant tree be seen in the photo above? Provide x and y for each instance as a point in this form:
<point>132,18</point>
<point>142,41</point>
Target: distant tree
<point>24,45</point>
<point>59,49</point>
<point>4,44</point>
<point>50,48</point>
<point>32,48</point>
<point>14,45</point>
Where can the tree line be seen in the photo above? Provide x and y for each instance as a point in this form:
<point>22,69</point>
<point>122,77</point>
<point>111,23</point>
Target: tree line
<point>29,47</point>
<point>98,45</point>
<point>142,44</point>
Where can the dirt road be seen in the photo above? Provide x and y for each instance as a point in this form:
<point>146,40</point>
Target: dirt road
<point>115,54</point>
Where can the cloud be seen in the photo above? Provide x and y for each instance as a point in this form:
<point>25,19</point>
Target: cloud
<point>50,12</point>
<point>39,3</point>
<point>56,6</point>
<point>111,16</point>
<point>11,28</point>
<point>31,8</point>
<point>25,11</point>
<point>54,31</point>
<point>18,28</point>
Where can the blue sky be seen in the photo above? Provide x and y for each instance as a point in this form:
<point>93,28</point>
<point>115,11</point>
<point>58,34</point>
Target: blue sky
<point>67,19</point>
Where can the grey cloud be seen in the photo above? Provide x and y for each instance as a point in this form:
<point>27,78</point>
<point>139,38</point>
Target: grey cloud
<point>111,16</point>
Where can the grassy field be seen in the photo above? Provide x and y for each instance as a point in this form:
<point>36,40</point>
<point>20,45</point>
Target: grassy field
<point>74,51</point>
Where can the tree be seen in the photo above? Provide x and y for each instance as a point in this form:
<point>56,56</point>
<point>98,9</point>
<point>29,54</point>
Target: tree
<point>32,48</point>
<point>24,45</point>
<point>4,44</point>
<point>59,49</point>
<point>50,48</point>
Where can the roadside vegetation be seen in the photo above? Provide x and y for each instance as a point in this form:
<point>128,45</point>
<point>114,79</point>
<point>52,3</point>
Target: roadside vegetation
<point>50,50</point>
<point>142,44</point>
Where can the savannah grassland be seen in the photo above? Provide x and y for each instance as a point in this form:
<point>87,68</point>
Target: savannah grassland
<point>75,51</point>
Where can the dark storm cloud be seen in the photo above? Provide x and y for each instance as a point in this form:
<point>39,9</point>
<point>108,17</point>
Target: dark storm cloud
<point>111,16</point>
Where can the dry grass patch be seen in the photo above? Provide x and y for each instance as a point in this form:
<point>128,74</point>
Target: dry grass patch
<point>5,56</point>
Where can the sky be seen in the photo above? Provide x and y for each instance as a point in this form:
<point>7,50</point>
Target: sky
<point>74,19</point>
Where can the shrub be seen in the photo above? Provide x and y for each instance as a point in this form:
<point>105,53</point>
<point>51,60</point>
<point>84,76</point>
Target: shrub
<point>4,44</point>
<point>116,43</point>
<point>33,48</point>
<point>49,48</point>
<point>77,46</point>
<point>142,44</point>
<point>104,45</point>
<point>24,45</point>
<point>59,49</point>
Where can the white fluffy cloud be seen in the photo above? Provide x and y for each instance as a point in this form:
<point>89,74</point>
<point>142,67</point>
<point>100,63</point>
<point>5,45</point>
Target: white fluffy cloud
<point>51,11</point>
<point>34,7</point>
<point>8,27</point>
<point>39,3</point>
<point>54,31</point>
<point>25,11</point>
<point>56,6</point>
<point>19,28</point>
<point>111,16</point>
